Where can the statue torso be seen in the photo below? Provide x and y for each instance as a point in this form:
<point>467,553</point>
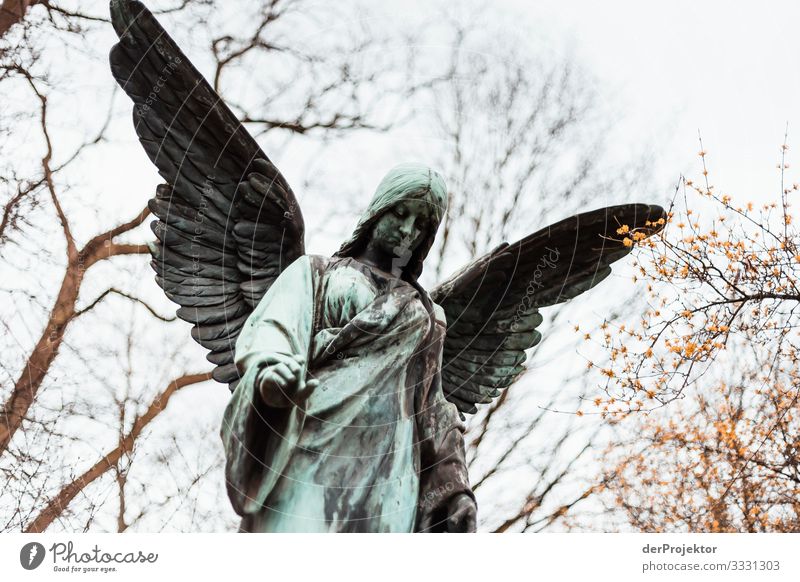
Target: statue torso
<point>357,453</point>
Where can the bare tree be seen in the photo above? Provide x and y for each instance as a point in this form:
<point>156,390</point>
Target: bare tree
<point>520,141</point>
<point>76,418</point>
<point>724,459</point>
<point>36,14</point>
<point>523,146</point>
<point>705,387</point>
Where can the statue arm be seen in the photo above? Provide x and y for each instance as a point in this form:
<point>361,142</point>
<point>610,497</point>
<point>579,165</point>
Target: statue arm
<point>275,340</point>
<point>257,436</point>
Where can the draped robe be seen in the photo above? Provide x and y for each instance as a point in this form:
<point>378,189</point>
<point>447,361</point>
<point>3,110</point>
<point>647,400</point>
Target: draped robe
<point>375,447</point>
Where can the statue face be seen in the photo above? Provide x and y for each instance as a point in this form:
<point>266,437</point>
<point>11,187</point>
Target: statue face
<point>401,229</point>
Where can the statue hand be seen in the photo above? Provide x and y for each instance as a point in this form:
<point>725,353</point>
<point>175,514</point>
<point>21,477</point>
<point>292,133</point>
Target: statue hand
<point>282,383</point>
<point>462,514</point>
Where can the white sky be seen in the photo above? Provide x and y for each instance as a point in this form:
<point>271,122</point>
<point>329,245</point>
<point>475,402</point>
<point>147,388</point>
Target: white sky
<point>726,69</point>
<point>669,69</point>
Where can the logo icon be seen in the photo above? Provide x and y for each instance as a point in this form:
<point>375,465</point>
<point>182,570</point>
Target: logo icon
<point>31,555</point>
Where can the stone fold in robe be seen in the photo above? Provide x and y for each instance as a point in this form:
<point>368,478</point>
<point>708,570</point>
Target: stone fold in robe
<point>375,447</point>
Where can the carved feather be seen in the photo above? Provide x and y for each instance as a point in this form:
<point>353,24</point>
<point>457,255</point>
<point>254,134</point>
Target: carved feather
<point>220,243</point>
<point>492,304</point>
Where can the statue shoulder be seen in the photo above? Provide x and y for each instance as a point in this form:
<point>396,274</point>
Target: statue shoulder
<point>318,263</point>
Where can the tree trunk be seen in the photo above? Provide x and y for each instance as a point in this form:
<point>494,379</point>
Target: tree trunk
<point>58,503</point>
<point>39,361</point>
<point>13,11</point>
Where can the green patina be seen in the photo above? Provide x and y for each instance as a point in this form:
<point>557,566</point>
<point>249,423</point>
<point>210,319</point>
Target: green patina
<point>350,455</point>
<point>348,378</point>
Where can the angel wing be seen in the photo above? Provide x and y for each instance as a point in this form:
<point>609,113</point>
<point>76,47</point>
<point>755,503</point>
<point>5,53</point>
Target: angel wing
<point>492,305</point>
<point>222,239</point>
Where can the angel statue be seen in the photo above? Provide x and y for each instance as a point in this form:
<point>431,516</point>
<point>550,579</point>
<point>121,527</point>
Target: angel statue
<point>349,380</point>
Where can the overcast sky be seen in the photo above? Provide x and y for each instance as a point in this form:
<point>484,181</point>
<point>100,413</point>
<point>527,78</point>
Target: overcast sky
<point>725,68</point>
<point>669,70</point>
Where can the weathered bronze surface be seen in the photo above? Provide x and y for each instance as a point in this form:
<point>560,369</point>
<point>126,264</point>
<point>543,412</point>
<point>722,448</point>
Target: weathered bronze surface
<point>349,380</point>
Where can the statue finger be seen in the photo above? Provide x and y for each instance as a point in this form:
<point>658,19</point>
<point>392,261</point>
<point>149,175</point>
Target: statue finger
<point>292,364</point>
<point>471,519</point>
<point>262,375</point>
<point>463,515</point>
<point>274,381</point>
<point>458,522</point>
<point>305,391</point>
<point>283,371</point>
<point>278,358</point>
<point>454,522</point>
<point>273,392</point>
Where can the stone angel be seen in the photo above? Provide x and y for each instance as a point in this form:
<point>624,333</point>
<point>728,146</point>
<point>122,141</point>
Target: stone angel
<point>349,380</point>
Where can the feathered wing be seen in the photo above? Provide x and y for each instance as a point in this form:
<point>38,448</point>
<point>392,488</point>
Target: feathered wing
<point>221,242</point>
<point>492,305</point>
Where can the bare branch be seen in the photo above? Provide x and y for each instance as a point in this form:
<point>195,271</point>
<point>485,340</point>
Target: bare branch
<point>12,12</point>
<point>115,291</point>
<point>57,504</point>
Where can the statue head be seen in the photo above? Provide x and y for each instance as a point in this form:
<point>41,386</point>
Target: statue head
<point>402,218</point>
